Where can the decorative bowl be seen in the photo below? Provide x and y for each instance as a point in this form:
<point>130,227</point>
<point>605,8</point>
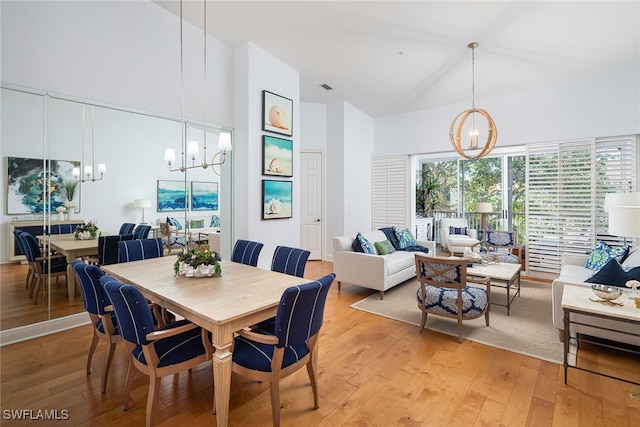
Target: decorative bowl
<point>606,292</point>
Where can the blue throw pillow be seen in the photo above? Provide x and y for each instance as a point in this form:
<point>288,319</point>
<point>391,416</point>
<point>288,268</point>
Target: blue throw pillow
<point>405,238</point>
<point>602,253</point>
<point>366,245</point>
<point>215,221</point>
<point>457,230</point>
<point>174,223</point>
<point>611,274</point>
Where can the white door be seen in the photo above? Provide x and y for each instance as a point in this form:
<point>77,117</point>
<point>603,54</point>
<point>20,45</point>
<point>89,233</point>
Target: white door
<point>311,203</point>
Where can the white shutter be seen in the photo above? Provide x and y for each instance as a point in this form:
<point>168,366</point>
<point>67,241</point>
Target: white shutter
<point>390,192</point>
<point>566,184</point>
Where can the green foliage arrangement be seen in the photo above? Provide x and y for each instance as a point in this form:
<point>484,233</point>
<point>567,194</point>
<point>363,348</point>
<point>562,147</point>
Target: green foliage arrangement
<point>198,255</point>
<point>86,231</point>
<point>69,189</point>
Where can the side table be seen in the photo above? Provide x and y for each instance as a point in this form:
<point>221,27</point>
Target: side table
<point>575,299</point>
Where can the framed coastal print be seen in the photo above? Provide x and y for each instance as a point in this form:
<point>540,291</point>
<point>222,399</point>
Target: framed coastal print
<point>277,156</point>
<point>29,186</point>
<point>277,113</point>
<point>204,196</point>
<point>276,199</point>
<point>172,196</point>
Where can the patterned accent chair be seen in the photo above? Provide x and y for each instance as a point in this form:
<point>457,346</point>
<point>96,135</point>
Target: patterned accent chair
<point>171,239</point>
<point>290,261</point>
<point>105,324</point>
<point>126,228</point>
<point>445,291</point>
<point>246,252</point>
<point>270,357</point>
<point>168,350</point>
<point>455,236</point>
<point>135,250</point>
<point>496,242</point>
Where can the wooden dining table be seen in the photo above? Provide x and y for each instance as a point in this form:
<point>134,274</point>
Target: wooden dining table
<point>71,248</point>
<point>243,296</point>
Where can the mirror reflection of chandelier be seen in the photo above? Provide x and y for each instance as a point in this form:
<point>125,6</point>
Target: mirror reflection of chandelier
<point>192,150</point>
<point>89,170</point>
<point>461,123</point>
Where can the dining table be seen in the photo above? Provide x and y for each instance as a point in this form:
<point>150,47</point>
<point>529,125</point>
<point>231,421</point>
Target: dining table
<point>71,248</point>
<point>242,297</point>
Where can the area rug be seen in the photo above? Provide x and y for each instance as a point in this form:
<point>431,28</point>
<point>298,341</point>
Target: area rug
<point>527,330</point>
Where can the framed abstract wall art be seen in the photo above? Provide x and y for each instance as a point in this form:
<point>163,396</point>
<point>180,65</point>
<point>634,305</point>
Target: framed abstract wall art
<point>172,196</point>
<point>276,199</point>
<point>277,113</point>
<point>204,196</point>
<point>277,156</point>
<point>31,189</point>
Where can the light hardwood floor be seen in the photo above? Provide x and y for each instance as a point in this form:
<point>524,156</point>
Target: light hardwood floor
<point>373,371</point>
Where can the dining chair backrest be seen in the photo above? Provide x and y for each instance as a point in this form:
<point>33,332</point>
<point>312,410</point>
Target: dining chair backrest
<point>63,228</point>
<point>126,228</point>
<point>246,252</point>
<point>135,250</point>
<point>141,231</point>
<point>301,311</point>
<point>108,248</point>
<point>95,299</point>
<point>31,247</point>
<point>18,238</point>
<point>290,261</point>
<point>132,310</point>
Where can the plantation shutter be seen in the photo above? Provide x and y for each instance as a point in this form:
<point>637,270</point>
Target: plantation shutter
<point>566,184</point>
<point>390,192</point>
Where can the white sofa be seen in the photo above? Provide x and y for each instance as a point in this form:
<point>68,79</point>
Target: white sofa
<point>377,272</point>
<point>456,243</point>
<point>574,272</point>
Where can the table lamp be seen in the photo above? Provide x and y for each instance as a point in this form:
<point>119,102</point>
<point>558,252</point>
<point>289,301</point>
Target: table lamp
<point>142,204</point>
<point>484,209</point>
<point>624,213</point>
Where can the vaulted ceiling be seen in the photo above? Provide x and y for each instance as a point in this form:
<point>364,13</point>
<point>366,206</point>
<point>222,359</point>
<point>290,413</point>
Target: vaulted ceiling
<point>392,57</point>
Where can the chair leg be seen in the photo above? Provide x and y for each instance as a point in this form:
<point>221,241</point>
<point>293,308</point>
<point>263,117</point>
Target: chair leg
<point>154,389</point>
<point>275,401</point>
<point>424,321</point>
<point>107,365</point>
<point>339,285</point>
<point>92,349</point>
<point>459,329</point>
<point>381,295</point>
<point>312,369</point>
<point>131,373</point>
<point>486,317</point>
<point>36,291</point>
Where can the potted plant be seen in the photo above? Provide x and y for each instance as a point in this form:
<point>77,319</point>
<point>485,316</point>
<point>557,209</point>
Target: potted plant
<point>86,231</point>
<point>198,261</point>
<point>427,193</point>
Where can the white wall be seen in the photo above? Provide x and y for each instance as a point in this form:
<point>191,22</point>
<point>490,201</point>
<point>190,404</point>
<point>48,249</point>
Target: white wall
<point>604,106</point>
<point>258,71</point>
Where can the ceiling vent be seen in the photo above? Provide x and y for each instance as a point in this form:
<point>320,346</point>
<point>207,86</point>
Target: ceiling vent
<point>326,86</point>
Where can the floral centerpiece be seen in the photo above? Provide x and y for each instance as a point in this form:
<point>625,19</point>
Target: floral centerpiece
<point>86,231</point>
<point>198,261</point>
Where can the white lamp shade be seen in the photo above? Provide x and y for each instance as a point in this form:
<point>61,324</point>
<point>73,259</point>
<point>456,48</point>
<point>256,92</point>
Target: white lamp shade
<point>224,141</point>
<point>169,155</point>
<point>621,199</point>
<point>624,214</point>
<point>76,172</point>
<point>88,170</point>
<point>484,207</point>
<point>102,168</point>
<point>142,203</point>
<point>192,149</point>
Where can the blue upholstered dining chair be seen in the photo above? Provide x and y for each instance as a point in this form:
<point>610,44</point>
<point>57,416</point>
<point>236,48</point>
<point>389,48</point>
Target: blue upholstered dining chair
<point>42,267</point>
<point>292,345</point>
<point>246,252</point>
<point>135,250</point>
<point>127,228</point>
<point>105,325</point>
<point>62,228</point>
<point>444,290</point>
<point>108,248</point>
<point>290,261</point>
<point>21,245</point>
<point>168,350</point>
<point>141,231</point>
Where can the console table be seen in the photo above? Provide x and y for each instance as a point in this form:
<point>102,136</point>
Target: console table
<point>575,300</point>
<point>34,228</point>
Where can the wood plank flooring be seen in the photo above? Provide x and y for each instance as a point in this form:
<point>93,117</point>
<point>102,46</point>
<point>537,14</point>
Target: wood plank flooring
<point>373,371</point>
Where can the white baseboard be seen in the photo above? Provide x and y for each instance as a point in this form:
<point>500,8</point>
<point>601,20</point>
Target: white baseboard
<point>35,330</point>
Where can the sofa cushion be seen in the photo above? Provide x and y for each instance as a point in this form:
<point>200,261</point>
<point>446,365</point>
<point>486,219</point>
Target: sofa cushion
<point>405,238</point>
<point>196,223</point>
<point>602,253</point>
<point>457,230</point>
<point>461,240</point>
<point>574,273</point>
<point>385,247</point>
<point>366,245</point>
<point>611,274</point>
<point>399,261</point>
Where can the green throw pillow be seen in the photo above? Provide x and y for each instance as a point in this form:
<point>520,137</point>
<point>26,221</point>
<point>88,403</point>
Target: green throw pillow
<point>197,223</point>
<point>385,247</point>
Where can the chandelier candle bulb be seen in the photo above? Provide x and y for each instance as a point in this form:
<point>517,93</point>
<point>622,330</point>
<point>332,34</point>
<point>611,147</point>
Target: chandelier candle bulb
<point>192,150</point>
